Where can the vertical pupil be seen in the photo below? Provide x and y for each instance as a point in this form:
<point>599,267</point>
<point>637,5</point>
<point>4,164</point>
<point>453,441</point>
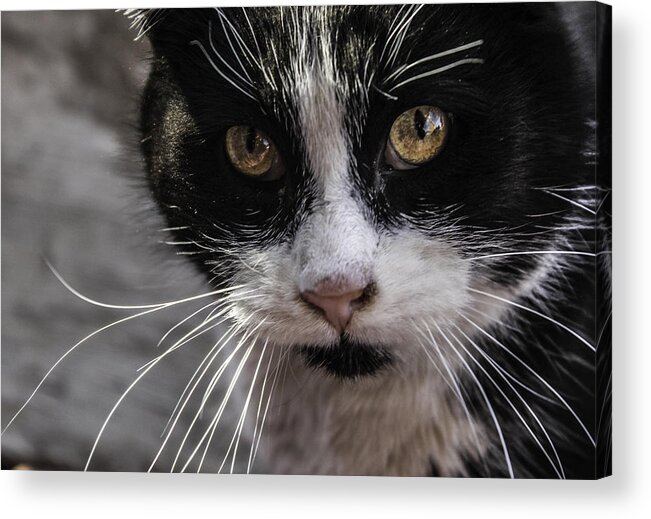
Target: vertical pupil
<point>420,121</point>
<point>251,139</point>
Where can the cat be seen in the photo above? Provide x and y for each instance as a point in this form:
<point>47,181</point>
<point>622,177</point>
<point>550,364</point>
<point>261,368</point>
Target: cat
<point>403,214</point>
<point>408,192</point>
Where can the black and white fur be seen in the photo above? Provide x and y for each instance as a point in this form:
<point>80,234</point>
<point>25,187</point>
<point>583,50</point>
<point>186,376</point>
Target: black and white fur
<point>474,353</point>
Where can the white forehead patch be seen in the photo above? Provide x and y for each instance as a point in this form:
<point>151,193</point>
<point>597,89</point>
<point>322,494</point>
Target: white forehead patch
<point>336,242</point>
<point>321,120</point>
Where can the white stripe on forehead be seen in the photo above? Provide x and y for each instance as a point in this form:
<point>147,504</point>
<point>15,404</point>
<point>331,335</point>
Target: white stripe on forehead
<point>321,115</point>
<point>337,242</point>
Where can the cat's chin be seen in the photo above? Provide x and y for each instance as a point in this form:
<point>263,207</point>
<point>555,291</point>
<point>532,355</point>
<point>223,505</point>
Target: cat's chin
<point>347,359</point>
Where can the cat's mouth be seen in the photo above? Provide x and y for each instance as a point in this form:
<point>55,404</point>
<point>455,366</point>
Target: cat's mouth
<point>347,359</point>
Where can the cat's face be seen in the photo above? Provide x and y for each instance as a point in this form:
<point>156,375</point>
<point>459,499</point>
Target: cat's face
<point>364,174</point>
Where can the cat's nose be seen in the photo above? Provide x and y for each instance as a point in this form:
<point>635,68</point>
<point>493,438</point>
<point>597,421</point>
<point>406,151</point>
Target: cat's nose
<point>336,301</point>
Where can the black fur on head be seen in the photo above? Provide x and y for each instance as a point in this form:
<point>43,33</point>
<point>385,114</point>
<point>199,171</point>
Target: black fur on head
<point>517,172</point>
<point>520,121</point>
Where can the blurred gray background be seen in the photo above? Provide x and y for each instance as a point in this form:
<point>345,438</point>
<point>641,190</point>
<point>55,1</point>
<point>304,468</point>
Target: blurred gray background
<point>73,192</point>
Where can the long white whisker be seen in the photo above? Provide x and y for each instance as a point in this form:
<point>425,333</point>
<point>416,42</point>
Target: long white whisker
<point>573,202</point>
<point>214,66</point>
<point>193,334</point>
<point>399,32</point>
<point>220,371</point>
<point>232,330</point>
<point>253,35</point>
<point>240,424</point>
<point>134,307</point>
<point>214,49</point>
<point>212,384</point>
<point>466,61</point>
<point>248,54</point>
<point>456,389</point>
<point>533,372</point>
<point>208,358</point>
<point>398,72</point>
<point>119,401</point>
<point>533,252</point>
<point>224,308</point>
<point>515,380</point>
<point>498,427</point>
<point>559,470</point>
<point>240,44</point>
<point>183,321</point>
<point>73,348</point>
<point>242,340</point>
<point>282,357</point>
<point>174,417</point>
<point>535,312</point>
<point>257,414</point>
<point>213,426</point>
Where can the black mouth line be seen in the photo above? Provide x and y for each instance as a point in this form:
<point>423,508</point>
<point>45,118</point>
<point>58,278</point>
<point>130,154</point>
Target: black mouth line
<point>347,359</point>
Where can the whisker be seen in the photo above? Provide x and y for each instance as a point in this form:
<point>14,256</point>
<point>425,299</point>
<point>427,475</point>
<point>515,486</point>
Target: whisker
<point>175,416</point>
<point>559,470</point>
<point>282,357</point>
<point>213,426</point>
<point>193,334</point>
<point>147,310</point>
<point>168,229</point>
<point>569,200</point>
<point>220,371</point>
<point>183,321</point>
<point>601,203</point>
<point>135,307</point>
<point>210,388</point>
<point>465,61</point>
<point>253,34</point>
<point>533,252</point>
<point>240,424</point>
<point>242,340</point>
<point>248,54</point>
<point>119,401</point>
<point>223,341</point>
<point>244,80</point>
<point>398,72</point>
<point>69,351</point>
<point>534,373</point>
<point>535,312</point>
<point>561,188</point>
<point>257,415</point>
<point>397,35</point>
<point>224,309</point>
<point>216,68</point>
<point>498,427</point>
<point>456,389</point>
<point>209,355</point>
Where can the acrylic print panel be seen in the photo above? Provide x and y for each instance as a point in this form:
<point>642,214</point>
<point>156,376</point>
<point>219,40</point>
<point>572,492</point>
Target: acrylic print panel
<point>360,240</point>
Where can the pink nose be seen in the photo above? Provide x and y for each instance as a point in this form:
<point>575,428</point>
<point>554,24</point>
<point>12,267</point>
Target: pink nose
<point>337,302</point>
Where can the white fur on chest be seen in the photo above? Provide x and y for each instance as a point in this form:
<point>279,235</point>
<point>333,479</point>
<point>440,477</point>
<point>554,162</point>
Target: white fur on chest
<point>387,425</point>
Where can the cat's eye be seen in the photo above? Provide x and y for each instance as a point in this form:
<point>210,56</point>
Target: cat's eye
<point>416,137</point>
<point>252,153</point>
